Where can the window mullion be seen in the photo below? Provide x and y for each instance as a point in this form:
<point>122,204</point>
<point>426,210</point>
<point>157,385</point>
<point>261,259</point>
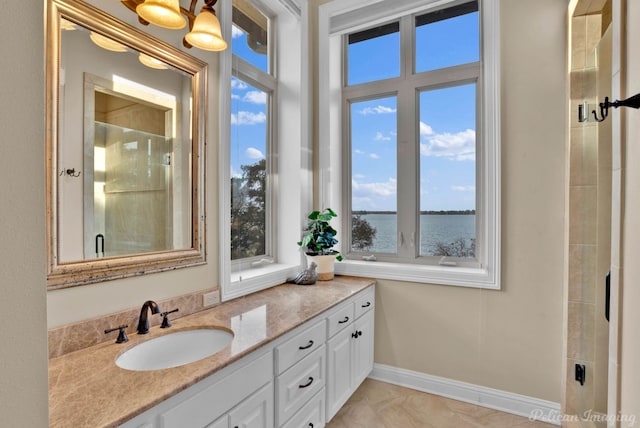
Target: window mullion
<point>408,152</point>
<point>407,42</point>
<point>407,184</point>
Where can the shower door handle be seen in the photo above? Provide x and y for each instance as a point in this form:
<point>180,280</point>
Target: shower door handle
<point>99,240</point>
<point>607,295</point>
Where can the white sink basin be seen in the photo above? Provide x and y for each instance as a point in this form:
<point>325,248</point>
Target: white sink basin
<point>174,349</point>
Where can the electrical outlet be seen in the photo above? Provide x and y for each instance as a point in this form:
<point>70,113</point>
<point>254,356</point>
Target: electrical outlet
<point>211,298</point>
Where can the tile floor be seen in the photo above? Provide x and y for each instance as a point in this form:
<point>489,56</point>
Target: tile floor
<point>381,405</point>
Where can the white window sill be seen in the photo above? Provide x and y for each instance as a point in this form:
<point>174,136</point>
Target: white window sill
<point>256,279</point>
<point>428,274</point>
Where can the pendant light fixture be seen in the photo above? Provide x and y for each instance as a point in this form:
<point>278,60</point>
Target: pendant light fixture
<point>163,13</point>
<point>204,28</point>
<point>205,32</point>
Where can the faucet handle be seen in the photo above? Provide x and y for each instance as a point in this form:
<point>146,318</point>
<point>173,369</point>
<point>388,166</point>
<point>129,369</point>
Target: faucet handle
<point>122,336</point>
<point>165,319</point>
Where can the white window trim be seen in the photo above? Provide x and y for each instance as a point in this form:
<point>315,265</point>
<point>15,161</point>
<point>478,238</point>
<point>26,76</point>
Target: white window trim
<point>293,148</point>
<point>339,17</point>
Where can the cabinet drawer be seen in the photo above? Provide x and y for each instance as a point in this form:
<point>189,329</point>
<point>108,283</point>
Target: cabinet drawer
<point>299,346</point>
<point>340,319</point>
<point>311,415</point>
<point>297,385</point>
<point>365,302</point>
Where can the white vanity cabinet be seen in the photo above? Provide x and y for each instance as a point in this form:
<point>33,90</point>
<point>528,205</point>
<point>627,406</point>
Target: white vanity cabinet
<point>349,350</point>
<point>299,380</point>
<point>236,392</point>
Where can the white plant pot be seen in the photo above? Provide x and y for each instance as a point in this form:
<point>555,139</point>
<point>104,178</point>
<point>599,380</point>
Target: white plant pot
<point>325,266</point>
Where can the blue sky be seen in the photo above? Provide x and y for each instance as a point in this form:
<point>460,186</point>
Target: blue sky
<point>447,120</point>
<point>446,123</point>
<point>248,111</point>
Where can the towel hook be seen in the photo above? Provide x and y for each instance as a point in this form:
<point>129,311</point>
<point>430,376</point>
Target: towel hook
<point>633,102</point>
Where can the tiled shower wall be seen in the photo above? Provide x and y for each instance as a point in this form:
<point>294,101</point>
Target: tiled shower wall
<point>589,215</point>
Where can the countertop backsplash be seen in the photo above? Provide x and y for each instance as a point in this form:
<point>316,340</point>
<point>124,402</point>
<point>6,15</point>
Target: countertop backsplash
<point>83,334</point>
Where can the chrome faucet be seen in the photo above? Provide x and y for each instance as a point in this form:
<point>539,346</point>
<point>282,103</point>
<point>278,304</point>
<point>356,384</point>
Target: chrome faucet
<point>143,323</point>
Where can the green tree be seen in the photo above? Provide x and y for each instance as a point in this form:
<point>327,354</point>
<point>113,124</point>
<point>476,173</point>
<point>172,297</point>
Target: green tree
<point>362,233</point>
<point>458,248</point>
<point>248,211</point>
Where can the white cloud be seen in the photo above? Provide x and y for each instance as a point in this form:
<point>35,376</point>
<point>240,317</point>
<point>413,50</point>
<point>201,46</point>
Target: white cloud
<point>236,32</point>
<point>255,97</point>
<point>248,118</point>
<point>237,84</point>
<point>377,110</point>
<point>366,190</point>
<point>425,129</point>
<point>235,173</point>
<point>459,146</point>
<point>380,137</point>
<point>253,153</point>
<point>463,188</point>
<point>373,196</point>
<point>358,152</point>
<point>235,97</point>
<point>374,156</point>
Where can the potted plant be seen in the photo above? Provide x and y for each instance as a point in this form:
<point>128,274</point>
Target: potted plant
<point>319,241</point>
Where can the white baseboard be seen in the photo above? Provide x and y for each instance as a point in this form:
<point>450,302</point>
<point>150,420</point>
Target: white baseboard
<point>509,402</point>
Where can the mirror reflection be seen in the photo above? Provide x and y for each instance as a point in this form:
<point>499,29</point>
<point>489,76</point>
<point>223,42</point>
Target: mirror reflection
<point>130,152</point>
<point>125,150</point>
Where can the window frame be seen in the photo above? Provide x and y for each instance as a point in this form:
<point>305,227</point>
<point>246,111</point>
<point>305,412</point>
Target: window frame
<point>338,19</point>
<point>290,145</point>
<point>267,83</point>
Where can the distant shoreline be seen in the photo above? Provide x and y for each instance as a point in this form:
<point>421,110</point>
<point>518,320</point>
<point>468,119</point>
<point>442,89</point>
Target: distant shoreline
<point>444,212</point>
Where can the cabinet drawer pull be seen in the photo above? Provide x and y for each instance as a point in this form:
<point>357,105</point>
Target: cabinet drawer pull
<point>366,305</point>
<point>346,319</point>
<point>306,384</point>
<point>310,425</point>
<point>302,348</point>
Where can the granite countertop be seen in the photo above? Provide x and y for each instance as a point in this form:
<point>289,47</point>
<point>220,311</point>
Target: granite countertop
<point>87,389</point>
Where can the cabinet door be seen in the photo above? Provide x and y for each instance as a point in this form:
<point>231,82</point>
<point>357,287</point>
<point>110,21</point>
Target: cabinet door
<point>339,371</point>
<point>363,348</point>
<point>223,422</point>
<point>254,412</point>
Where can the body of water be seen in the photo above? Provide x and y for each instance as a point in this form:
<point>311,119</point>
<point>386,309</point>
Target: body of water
<point>435,229</point>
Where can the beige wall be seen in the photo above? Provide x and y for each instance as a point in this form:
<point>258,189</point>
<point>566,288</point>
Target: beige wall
<point>509,339</point>
<point>23,334</point>
<point>630,270</point>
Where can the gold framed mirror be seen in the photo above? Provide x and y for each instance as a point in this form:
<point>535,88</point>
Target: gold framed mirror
<point>125,148</point>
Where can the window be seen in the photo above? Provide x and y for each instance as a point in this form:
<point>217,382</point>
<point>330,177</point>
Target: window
<point>414,126</point>
<point>263,125</point>
<point>252,92</point>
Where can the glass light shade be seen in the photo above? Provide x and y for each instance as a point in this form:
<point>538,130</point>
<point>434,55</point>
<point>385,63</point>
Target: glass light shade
<point>66,25</point>
<point>151,62</point>
<point>107,43</point>
<point>163,13</point>
<point>206,33</point>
